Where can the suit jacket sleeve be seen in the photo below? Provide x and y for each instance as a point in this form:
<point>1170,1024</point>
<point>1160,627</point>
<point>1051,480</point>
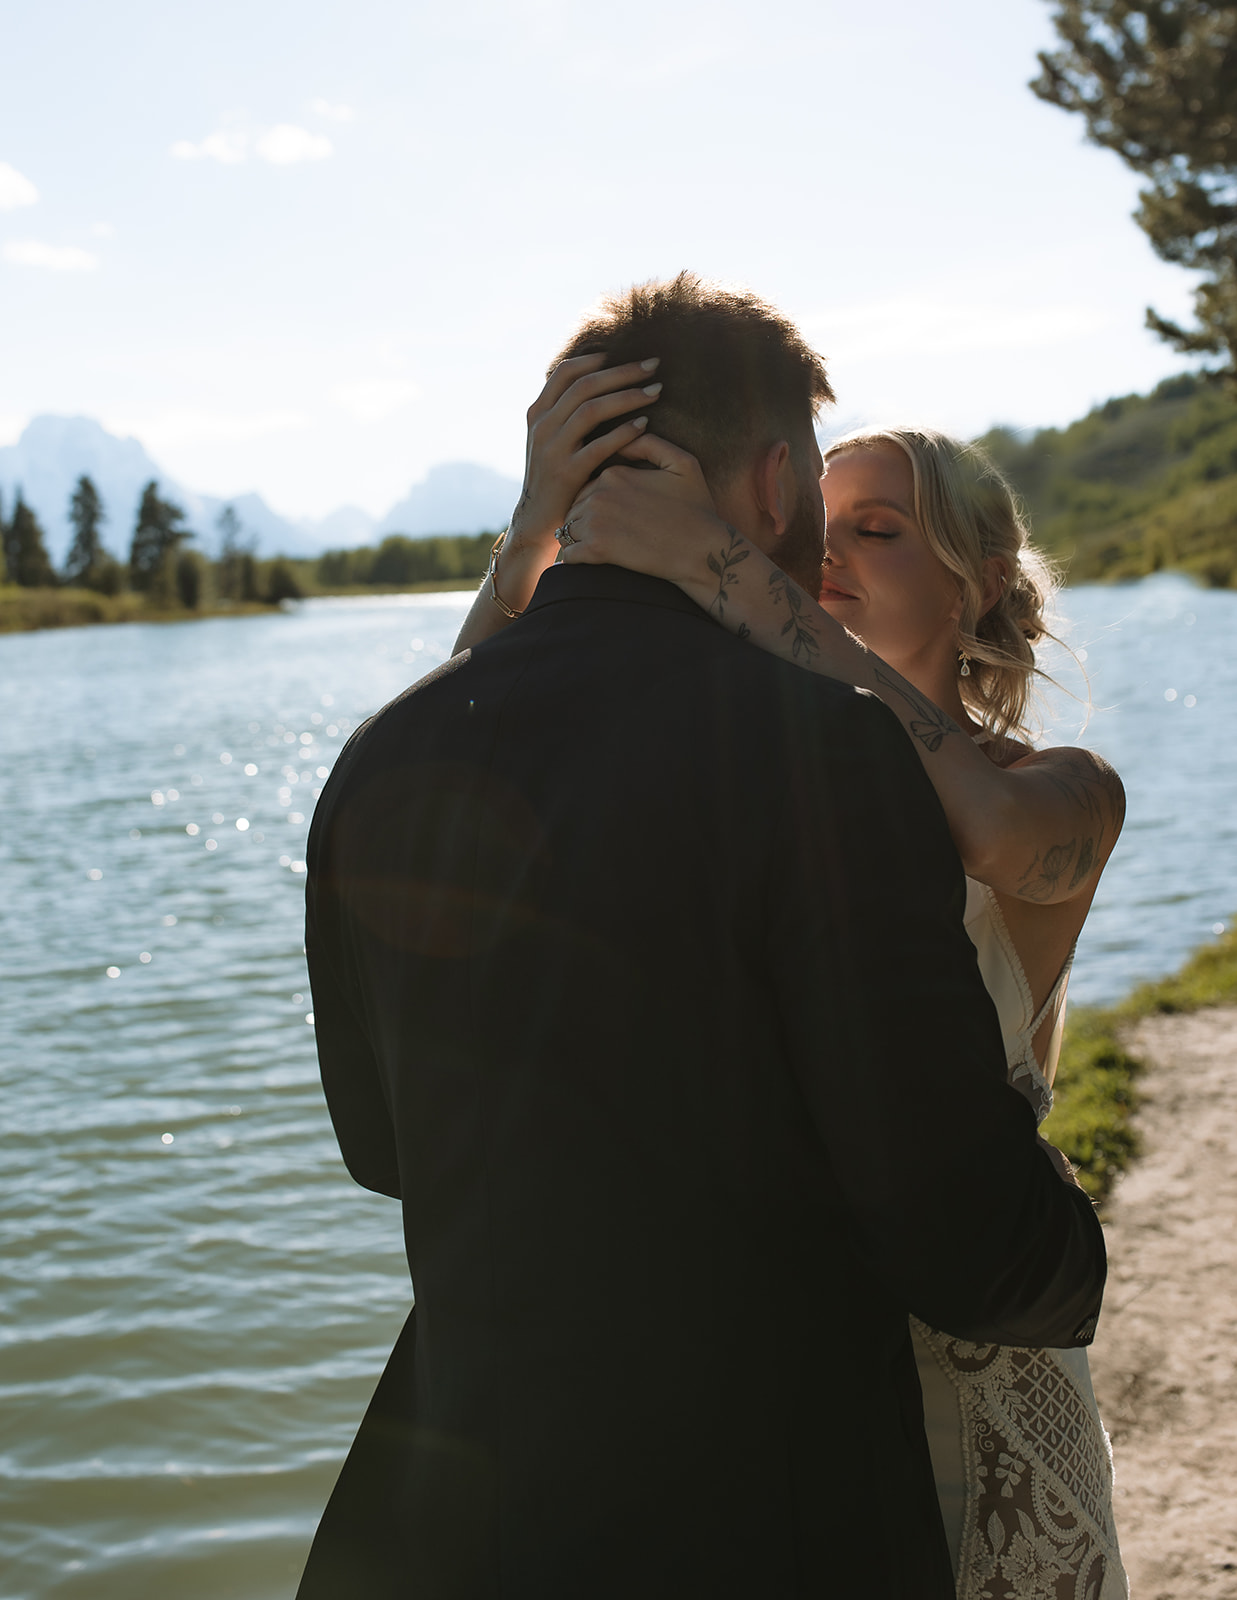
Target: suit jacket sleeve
<point>898,1052</point>
<point>350,1074</point>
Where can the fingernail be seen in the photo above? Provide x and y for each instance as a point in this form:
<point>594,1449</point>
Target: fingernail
<point>651,365</point>
<point>651,388</point>
<point>640,422</point>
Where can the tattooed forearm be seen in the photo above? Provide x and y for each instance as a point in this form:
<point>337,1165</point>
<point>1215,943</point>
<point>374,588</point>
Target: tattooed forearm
<point>803,638</point>
<point>722,566</point>
<point>1039,882</point>
<point>929,724</point>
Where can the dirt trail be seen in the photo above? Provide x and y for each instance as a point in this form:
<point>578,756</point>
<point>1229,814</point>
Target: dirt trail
<point>1165,1361</point>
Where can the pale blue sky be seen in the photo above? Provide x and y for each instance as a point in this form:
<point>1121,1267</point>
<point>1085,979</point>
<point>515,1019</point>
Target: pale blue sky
<point>313,249</point>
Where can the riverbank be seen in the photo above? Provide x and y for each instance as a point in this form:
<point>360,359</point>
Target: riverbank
<point>29,610</point>
<point>1164,1363</point>
<point>1098,1085</point>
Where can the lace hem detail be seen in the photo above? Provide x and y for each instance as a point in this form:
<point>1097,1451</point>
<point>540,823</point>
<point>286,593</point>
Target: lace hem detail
<point>1037,1521</point>
<point>1025,1075</point>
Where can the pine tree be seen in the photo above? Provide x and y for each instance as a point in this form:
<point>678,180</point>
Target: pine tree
<point>25,552</point>
<point>87,557</point>
<point>158,532</point>
<point>233,550</point>
<point>1157,83</point>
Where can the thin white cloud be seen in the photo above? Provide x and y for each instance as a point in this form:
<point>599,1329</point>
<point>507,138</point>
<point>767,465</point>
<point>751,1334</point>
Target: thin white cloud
<point>284,145</point>
<point>11,425</point>
<point>54,257</point>
<point>227,145</point>
<point>15,189</point>
<point>371,399</point>
<point>181,427</point>
<point>103,230</point>
<point>331,111</point>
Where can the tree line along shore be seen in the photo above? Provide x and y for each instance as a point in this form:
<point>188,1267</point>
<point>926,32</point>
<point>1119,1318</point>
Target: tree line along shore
<point>170,575</point>
<point>1141,484</point>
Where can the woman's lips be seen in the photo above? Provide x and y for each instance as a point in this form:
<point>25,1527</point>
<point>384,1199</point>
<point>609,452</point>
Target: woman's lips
<point>830,591</point>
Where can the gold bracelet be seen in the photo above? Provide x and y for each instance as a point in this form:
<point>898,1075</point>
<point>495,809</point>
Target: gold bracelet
<point>493,573</point>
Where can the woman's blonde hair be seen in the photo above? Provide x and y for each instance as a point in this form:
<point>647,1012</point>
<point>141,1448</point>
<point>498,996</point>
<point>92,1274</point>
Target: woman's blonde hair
<point>968,513</point>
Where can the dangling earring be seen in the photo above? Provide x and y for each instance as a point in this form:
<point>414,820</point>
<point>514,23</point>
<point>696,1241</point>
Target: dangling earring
<point>964,664</point>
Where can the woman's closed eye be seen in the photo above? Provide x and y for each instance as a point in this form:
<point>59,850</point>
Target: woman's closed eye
<point>877,533</point>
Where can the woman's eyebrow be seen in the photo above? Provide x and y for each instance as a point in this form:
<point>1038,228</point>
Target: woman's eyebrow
<point>893,505</point>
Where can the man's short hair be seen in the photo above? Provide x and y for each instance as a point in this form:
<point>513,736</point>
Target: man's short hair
<point>737,375</point>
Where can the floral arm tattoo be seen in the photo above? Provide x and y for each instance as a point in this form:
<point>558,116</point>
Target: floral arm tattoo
<point>722,566</point>
<point>930,725</point>
<point>804,640</point>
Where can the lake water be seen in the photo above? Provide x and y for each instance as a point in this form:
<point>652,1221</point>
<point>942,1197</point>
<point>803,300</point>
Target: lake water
<point>195,1300</point>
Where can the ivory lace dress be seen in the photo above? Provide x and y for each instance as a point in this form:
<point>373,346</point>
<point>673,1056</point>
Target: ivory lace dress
<point>1023,1465</point>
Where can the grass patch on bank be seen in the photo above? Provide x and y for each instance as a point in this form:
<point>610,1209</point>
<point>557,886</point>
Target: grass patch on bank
<point>25,610</point>
<point>1096,1087</point>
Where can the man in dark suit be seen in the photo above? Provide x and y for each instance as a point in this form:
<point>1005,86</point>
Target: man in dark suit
<point>640,980</point>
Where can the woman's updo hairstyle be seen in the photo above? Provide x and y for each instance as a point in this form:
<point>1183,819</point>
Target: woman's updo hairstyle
<point>968,513</point>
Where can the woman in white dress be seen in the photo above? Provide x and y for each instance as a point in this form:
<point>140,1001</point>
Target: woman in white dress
<point>932,598</point>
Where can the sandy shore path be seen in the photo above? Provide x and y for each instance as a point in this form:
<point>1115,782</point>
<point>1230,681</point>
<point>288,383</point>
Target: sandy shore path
<point>1165,1361</point>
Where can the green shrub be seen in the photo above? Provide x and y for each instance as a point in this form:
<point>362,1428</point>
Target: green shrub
<point>281,583</point>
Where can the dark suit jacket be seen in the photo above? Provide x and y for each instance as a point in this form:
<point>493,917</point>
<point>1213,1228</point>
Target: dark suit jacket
<point>639,977</point>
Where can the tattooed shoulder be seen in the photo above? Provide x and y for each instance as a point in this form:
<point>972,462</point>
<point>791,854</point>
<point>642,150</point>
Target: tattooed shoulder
<point>1087,781</point>
<point>1097,797</point>
<point>1042,878</point>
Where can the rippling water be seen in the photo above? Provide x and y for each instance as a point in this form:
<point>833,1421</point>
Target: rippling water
<point>194,1298</point>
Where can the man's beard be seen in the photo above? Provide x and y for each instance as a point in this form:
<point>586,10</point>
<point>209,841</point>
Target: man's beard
<point>801,549</point>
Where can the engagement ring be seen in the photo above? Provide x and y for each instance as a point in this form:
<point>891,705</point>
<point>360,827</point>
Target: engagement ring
<point>564,535</point>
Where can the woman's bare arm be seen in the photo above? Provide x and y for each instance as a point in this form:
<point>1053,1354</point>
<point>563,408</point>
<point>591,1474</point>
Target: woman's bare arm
<point>1040,828</point>
<point>580,395</point>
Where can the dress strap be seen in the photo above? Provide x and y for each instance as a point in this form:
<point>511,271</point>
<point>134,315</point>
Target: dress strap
<point>1054,994</point>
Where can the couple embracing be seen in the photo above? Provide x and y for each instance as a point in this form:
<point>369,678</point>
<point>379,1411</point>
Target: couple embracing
<point>688,957</point>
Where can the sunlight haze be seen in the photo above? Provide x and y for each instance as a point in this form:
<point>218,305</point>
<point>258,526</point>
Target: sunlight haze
<point>314,250</point>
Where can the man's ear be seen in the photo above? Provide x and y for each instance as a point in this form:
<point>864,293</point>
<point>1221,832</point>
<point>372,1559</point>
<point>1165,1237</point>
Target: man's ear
<point>774,486</point>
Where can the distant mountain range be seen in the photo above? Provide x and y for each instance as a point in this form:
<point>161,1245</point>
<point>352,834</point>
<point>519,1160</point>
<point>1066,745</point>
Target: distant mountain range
<point>53,452</point>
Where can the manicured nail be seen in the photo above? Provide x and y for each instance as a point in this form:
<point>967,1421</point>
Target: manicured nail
<point>640,422</point>
<point>651,388</point>
<point>651,365</point>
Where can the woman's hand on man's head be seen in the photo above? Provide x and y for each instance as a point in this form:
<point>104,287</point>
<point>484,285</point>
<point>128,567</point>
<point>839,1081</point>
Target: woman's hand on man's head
<point>650,512</point>
<point>580,396</point>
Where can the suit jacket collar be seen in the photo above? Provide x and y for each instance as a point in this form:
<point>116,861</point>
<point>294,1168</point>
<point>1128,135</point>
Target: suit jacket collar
<point>609,583</point>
